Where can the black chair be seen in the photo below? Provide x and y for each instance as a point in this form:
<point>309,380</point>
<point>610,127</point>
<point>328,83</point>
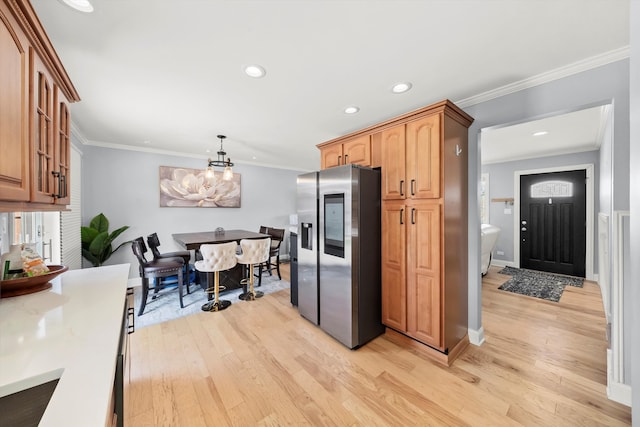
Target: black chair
<point>154,242</point>
<point>156,269</point>
<point>277,236</point>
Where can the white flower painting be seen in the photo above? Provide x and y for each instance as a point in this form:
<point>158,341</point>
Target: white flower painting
<point>182,187</point>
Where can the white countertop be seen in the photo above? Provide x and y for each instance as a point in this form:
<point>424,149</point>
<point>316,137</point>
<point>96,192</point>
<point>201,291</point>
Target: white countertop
<point>71,332</point>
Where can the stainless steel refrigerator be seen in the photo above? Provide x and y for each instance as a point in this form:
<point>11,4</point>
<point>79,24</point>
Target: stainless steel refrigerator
<point>339,284</point>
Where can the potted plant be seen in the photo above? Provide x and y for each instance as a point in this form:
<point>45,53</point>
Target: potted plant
<point>97,241</point>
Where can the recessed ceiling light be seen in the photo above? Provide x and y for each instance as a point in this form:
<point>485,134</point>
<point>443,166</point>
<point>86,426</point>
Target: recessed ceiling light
<point>255,71</point>
<point>542,132</point>
<point>401,87</point>
<point>351,110</point>
<point>81,5</point>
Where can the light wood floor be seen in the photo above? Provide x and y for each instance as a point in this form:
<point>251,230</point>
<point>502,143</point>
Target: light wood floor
<point>260,363</point>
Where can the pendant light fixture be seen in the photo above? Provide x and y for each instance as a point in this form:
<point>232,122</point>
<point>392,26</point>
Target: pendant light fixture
<point>220,162</point>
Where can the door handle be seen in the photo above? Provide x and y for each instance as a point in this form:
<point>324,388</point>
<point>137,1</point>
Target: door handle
<point>401,216</point>
<point>413,219</point>
<point>339,157</point>
<point>402,187</point>
<point>413,182</point>
<point>346,159</point>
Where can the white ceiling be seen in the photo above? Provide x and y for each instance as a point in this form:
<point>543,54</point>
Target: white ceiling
<point>167,74</point>
<point>567,133</point>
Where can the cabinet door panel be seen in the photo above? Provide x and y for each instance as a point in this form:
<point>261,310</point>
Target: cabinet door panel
<point>331,156</point>
<point>14,109</point>
<point>62,153</point>
<point>357,151</point>
<point>423,157</point>
<point>394,297</point>
<point>42,125</point>
<point>393,163</point>
<point>423,273</point>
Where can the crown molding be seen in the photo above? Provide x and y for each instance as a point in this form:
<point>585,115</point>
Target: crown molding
<point>548,76</point>
<point>178,154</point>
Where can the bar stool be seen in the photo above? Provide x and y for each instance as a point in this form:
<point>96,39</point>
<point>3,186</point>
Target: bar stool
<point>216,258</point>
<point>254,252</point>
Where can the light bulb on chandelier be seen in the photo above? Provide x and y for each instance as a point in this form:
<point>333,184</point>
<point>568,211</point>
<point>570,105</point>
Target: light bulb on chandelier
<point>220,162</point>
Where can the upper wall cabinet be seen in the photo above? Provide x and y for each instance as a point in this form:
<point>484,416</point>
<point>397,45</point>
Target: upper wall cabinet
<point>35,123</point>
<point>355,151</point>
<point>14,109</point>
<point>411,159</point>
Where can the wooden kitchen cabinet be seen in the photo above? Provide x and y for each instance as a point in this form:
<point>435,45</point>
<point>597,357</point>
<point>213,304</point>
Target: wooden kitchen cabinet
<point>411,269</point>
<point>394,260</point>
<point>354,151</point>
<point>428,153</point>
<point>14,109</point>
<point>411,159</point>
<point>423,160</point>
<point>35,123</point>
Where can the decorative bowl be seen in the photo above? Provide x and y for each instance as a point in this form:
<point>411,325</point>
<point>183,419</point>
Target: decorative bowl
<point>28,285</point>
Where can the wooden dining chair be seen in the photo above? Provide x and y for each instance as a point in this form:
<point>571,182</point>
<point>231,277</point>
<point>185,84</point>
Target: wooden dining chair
<point>277,236</point>
<point>153,241</point>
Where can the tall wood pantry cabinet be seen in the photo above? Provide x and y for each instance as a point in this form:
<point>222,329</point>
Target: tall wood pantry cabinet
<point>424,165</point>
<point>35,124</point>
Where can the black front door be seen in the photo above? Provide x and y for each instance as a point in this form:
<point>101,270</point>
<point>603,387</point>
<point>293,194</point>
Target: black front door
<point>553,222</point>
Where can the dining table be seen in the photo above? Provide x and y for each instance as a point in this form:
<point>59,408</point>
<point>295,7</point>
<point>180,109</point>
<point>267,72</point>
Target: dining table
<point>230,279</point>
<point>193,241</point>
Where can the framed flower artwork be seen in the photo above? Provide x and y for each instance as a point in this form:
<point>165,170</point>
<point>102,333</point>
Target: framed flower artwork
<point>184,187</point>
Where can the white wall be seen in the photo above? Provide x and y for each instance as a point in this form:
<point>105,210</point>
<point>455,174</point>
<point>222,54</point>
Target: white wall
<point>634,323</point>
<point>606,84</point>
<point>501,176</point>
<point>124,185</point>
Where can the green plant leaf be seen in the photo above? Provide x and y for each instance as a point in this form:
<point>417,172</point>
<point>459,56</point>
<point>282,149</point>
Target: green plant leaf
<point>116,233</point>
<point>98,245</point>
<point>100,223</point>
<point>97,242</point>
<point>90,257</point>
<point>87,235</point>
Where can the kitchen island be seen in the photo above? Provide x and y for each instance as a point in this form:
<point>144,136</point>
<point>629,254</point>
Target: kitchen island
<point>70,332</point>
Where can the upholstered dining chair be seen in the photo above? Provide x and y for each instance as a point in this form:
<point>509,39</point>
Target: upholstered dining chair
<point>216,258</point>
<point>254,252</point>
<point>156,269</point>
<point>154,242</point>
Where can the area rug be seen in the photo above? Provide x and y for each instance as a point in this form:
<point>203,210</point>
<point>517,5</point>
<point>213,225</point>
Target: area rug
<point>538,284</point>
<point>166,306</point>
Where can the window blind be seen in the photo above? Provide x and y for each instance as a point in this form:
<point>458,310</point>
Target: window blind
<point>71,221</point>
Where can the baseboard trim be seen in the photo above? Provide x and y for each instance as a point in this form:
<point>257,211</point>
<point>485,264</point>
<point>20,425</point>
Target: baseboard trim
<point>620,393</point>
<point>502,263</point>
<point>476,336</point>
<point>616,391</point>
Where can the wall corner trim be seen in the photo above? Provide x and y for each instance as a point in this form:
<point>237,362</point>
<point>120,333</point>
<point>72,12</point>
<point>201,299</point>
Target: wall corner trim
<point>476,336</point>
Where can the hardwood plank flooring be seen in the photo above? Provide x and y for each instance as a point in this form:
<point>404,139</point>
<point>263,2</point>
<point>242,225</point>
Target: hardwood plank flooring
<point>260,363</point>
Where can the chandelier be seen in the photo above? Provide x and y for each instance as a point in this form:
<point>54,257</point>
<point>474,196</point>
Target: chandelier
<point>220,162</point>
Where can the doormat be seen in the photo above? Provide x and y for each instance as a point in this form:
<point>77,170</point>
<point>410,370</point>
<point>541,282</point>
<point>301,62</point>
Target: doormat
<point>538,284</point>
